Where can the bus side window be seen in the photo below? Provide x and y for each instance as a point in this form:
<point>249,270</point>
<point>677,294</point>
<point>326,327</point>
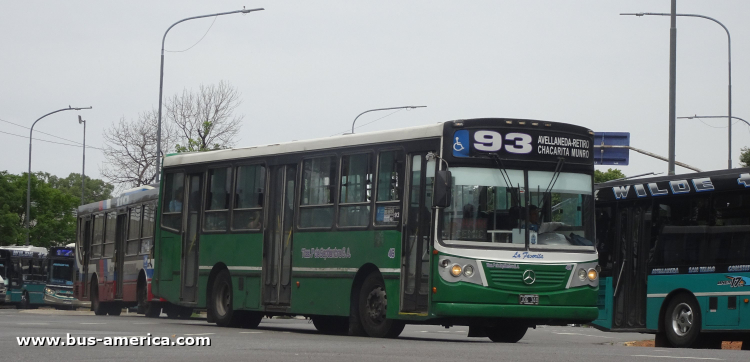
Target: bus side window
<point>389,188</point>
<point>250,186</point>
<point>174,195</point>
<point>148,229</point>
<point>318,187</point>
<point>134,230</point>
<point>96,245</point>
<point>356,190</point>
<point>605,238</point>
<point>217,199</point>
<point>110,234</point>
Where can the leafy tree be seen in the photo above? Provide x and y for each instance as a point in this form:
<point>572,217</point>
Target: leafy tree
<point>94,189</point>
<point>52,220</point>
<point>745,157</point>
<point>611,174</point>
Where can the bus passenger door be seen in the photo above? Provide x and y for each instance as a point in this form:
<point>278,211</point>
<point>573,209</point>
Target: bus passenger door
<point>415,263</point>
<point>277,243</point>
<point>122,222</point>
<point>191,238</point>
<point>630,267</point>
<point>84,255</point>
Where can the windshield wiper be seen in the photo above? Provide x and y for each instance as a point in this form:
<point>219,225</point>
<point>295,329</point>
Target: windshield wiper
<point>553,181</point>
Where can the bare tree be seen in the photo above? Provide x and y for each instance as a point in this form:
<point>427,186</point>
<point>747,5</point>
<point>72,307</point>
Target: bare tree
<point>204,120</point>
<point>130,150</point>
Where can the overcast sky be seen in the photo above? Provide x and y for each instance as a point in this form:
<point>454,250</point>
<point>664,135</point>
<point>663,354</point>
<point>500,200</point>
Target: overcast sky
<point>307,68</point>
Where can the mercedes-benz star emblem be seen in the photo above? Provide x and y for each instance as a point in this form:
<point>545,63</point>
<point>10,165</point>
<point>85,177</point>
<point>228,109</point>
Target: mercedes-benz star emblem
<point>529,277</point>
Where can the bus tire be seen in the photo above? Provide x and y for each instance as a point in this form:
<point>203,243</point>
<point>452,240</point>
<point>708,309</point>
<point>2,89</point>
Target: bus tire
<point>172,311</point>
<point>114,308</point>
<point>222,299</point>
<point>331,325</point>
<point>682,321</point>
<point>25,303</point>
<point>373,304</point>
<point>97,306</point>
<point>184,312</point>
<point>510,333</point>
<point>141,296</point>
<point>153,310</point>
<point>250,319</point>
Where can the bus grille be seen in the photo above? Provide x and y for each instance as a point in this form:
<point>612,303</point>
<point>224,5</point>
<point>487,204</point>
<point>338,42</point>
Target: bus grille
<point>547,278</point>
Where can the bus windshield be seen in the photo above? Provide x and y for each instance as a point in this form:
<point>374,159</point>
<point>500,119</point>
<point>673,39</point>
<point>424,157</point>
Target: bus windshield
<point>490,208</point>
<point>61,273</point>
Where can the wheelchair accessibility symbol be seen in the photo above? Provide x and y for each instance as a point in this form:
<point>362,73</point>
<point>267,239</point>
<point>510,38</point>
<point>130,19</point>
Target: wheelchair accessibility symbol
<point>461,143</point>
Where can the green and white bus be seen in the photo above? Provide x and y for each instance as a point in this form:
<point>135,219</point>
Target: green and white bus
<point>364,233</point>
<point>25,270</point>
<point>675,257</point>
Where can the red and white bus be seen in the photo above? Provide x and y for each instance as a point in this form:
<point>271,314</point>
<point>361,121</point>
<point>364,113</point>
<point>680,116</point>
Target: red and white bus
<point>114,254</point>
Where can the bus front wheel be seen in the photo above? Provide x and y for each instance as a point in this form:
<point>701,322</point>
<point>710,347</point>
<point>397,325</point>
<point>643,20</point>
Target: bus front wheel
<point>221,295</point>
<point>373,304</point>
<point>682,321</point>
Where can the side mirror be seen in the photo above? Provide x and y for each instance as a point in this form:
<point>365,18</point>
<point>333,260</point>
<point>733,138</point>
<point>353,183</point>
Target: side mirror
<point>443,184</point>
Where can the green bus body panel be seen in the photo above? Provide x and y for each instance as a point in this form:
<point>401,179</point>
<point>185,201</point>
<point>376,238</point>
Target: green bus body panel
<point>330,292</point>
<point>723,318</point>
<point>514,311</point>
<point>604,303</point>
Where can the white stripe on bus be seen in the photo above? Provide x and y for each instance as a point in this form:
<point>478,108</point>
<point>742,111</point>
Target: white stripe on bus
<point>707,294</point>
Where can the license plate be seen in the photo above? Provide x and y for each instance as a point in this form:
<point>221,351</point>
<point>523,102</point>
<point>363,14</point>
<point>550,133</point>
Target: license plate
<point>528,299</point>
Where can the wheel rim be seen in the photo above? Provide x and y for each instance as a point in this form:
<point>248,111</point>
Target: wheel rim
<point>223,299</point>
<point>375,305</point>
<point>682,319</point>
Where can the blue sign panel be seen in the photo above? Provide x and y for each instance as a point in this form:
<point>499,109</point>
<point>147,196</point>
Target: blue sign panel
<point>611,156</point>
<point>461,143</point>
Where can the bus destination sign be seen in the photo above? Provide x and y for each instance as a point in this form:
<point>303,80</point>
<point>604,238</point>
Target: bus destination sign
<point>480,143</point>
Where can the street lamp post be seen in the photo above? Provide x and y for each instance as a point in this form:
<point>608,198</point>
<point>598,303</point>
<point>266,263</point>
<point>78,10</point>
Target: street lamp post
<point>729,62</point>
<point>28,183</point>
<point>383,109</point>
<point>693,117</point>
<point>83,168</point>
<point>161,78</point>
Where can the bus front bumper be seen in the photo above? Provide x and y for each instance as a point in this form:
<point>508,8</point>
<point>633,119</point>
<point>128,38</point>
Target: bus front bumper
<point>571,313</point>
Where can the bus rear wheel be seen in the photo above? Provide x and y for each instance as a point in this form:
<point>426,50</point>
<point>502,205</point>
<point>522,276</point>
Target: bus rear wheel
<point>682,321</point>
<point>98,307</point>
<point>222,299</point>
<point>510,333</point>
<point>373,304</point>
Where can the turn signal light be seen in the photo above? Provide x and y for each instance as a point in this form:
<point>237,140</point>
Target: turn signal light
<point>747,300</point>
<point>456,270</point>
<point>592,274</point>
<point>434,290</point>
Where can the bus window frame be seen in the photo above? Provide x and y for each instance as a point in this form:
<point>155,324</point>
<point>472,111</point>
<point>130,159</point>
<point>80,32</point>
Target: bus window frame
<point>153,205</point>
<point>400,152</point>
<point>333,189</point>
<point>370,203</point>
<point>137,239</point>
<point>113,243</point>
<point>165,205</point>
<point>94,242</point>
<point>262,208</point>
<point>204,201</point>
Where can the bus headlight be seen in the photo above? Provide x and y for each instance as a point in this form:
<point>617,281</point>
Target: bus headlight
<point>468,271</point>
<point>456,270</point>
<point>593,274</point>
<point>582,274</point>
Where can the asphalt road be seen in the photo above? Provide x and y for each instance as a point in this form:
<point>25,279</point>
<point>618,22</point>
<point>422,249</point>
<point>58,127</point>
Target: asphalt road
<point>282,340</point>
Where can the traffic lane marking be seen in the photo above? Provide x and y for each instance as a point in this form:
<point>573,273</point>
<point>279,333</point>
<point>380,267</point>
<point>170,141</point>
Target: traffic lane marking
<point>581,334</point>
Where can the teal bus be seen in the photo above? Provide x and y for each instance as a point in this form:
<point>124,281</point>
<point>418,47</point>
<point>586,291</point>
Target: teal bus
<point>365,233</point>
<point>61,268</point>
<point>24,270</point>
<point>675,257</point>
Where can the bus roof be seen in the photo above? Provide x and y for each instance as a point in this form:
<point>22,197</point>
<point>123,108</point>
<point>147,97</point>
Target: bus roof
<point>127,198</point>
<point>25,250</point>
<point>357,139</point>
<point>716,175</point>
